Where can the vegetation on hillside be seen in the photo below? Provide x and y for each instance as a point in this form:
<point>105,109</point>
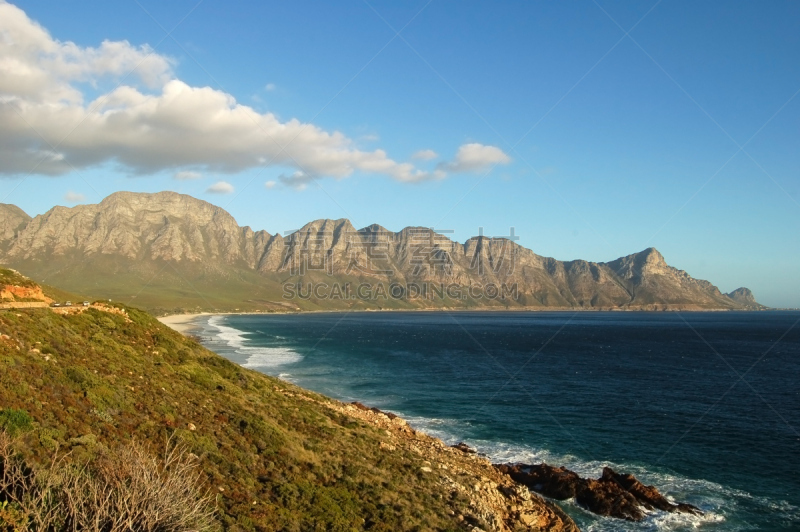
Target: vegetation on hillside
<point>12,277</point>
<point>119,490</point>
<point>84,384</point>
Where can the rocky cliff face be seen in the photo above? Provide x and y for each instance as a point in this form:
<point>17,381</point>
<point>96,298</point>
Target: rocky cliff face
<point>167,226</point>
<point>133,230</point>
<point>12,220</point>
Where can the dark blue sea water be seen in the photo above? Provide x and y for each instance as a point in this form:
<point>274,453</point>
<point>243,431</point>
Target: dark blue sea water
<point>705,406</point>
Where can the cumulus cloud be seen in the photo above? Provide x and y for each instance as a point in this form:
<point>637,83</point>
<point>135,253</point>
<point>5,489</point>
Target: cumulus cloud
<point>425,155</point>
<point>270,184</point>
<point>154,122</point>
<point>475,157</point>
<point>186,175</point>
<point>74,197</point>
<point>151,121</point>
<point>220,187</point>
<point>36,68</point>
<point>270,87</point>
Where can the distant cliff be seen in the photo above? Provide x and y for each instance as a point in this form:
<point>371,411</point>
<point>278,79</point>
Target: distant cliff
<point>170,251</point>
<point>745,297</point>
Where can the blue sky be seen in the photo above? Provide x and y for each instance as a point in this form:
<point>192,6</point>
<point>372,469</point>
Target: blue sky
<point>683,134</point>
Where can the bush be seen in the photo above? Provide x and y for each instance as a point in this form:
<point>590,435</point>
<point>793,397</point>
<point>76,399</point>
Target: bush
<point>121,490</point>
<point>15,421</point>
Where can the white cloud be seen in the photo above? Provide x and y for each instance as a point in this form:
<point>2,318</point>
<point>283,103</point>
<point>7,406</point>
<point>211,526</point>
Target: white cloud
<point>298,180</point>
<point>425,155</point>
<point>74,197</point>
<point>475,157</point>
<point>152,121</point>
<point>270,184</point>
<point>40,69</point>
<point>185,175</point>
<point>220,187</point>
<point>270,87</point>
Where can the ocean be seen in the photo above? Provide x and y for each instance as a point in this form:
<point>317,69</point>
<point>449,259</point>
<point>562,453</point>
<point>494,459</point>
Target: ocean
<point>703,405</point>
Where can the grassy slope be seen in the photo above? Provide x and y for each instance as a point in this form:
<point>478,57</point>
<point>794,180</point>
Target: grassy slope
<point>98,379</point>
<point>305,466</point>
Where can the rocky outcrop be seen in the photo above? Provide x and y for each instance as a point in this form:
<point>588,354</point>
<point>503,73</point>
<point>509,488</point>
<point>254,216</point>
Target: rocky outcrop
<point>12,293</point>
<point>135,231</point>
<point>744,297</point>
<point>613,494</point>
<point>496,502</point>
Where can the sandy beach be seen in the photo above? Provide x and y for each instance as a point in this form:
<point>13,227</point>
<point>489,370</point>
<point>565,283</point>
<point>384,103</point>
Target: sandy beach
<point>183,323</point>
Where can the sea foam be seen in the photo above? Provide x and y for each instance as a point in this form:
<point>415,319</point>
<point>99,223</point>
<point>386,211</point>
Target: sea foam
<point>717,502</point>
<point>257,357</point>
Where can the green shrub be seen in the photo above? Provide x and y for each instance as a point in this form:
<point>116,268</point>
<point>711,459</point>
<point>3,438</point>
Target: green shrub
<point>15,422</point>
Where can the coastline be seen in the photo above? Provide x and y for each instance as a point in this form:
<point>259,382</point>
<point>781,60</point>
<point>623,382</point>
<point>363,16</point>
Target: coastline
<point>184,323</point>
<point>506,451</point>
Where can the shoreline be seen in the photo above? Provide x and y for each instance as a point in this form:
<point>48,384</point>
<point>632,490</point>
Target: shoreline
<point>184,323</point>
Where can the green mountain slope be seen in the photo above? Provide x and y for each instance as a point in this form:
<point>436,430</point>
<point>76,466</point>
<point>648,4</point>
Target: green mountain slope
<point>275,456</point>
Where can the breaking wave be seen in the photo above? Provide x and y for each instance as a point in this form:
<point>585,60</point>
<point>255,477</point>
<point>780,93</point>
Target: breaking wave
<point>256,357</point>
<point>719,503</point>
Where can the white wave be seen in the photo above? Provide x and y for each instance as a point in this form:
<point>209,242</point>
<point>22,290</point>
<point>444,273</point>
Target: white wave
<point>719,503</point>
<point>267,357</point>
<point>444,429</point>
<point>257,357</point>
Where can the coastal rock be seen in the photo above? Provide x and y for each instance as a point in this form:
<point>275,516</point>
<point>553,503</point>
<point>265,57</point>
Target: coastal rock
<point>464,448</point>
<point>648,496</point>
<point>613,494</point>
<point>495,501</point>
<point>374,410</point>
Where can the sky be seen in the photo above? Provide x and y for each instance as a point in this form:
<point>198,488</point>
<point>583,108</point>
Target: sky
<point>592,129</point>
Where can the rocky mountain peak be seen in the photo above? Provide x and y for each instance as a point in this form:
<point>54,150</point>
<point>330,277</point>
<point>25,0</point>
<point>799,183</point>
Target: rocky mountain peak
<point>653,256</point>
<point>653,261</point>
<point>163,225</point>
<point>12,220</point>
<point>133,205</point>
<point>744,296</point>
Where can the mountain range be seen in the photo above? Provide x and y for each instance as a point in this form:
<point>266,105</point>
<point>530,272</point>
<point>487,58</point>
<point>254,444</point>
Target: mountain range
<point>169,252</point>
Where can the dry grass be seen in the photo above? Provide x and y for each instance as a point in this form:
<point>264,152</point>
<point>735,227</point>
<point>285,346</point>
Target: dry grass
<point>122,490</point>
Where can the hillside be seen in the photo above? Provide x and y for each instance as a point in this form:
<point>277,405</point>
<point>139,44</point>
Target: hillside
<point>169,252</point>
<point>274,456</point>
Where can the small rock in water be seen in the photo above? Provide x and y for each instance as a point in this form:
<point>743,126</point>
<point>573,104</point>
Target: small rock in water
<point>464,448</point>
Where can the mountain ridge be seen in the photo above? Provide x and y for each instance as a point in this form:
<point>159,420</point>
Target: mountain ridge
<point>181,246</point>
